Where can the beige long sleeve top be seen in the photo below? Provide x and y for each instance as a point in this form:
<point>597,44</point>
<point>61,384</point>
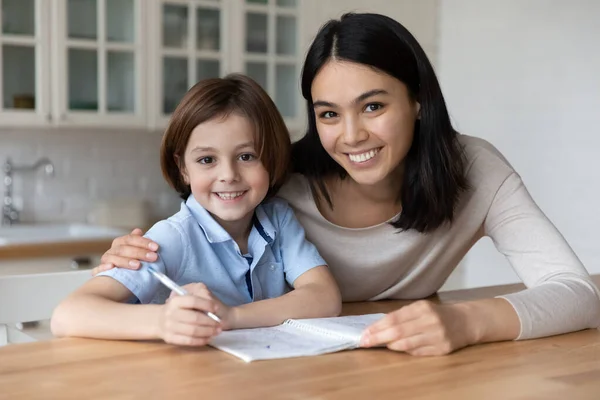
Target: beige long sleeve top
<point>377,262</point>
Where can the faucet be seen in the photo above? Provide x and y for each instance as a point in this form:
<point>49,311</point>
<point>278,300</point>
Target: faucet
<point>10,215</point>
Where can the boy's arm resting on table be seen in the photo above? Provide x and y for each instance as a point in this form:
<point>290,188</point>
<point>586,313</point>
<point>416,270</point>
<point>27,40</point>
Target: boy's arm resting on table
<point>97,310</point>
<point>561,297</point>
<point>315,295</point>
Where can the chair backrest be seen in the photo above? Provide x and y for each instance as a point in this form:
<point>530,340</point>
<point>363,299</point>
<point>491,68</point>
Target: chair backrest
<point>33,297</point>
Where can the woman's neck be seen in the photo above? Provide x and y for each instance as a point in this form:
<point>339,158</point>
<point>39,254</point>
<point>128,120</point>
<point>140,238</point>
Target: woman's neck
<point>386,191</point>
<point>370,204</point>
<point>381,192</point>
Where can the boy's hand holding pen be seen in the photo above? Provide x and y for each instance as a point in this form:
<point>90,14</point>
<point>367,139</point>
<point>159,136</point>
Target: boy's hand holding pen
<point>223,313</point>
<point>188,317</point>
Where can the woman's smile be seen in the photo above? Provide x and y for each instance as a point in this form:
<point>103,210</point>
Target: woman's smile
<point>363,157</point>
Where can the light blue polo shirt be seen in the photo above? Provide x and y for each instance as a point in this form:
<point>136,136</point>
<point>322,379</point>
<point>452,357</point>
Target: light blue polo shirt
<point>195,248</point>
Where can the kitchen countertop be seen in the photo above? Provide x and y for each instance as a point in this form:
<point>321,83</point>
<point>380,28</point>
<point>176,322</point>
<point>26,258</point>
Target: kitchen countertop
<point>55,249</point>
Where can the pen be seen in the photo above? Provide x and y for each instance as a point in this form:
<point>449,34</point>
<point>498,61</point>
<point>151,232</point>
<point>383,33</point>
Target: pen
<point>176,288</point>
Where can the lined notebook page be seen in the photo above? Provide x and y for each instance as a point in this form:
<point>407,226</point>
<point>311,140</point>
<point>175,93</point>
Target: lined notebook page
<point>283,341</point>
<point>349,328</point>
<point>295,338</point>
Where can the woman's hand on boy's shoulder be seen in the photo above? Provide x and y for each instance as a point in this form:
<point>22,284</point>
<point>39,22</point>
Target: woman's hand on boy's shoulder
<point>127,252</point>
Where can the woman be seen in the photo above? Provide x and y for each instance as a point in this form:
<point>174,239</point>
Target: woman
<point>393,198</point>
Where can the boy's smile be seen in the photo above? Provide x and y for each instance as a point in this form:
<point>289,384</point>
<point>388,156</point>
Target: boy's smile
<point>230,196</point>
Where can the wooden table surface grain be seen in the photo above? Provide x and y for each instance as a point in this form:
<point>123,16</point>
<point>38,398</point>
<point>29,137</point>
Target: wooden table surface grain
<point>559,367</point>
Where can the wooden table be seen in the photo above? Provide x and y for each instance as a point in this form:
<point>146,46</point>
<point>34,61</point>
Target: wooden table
<point>560,367</point>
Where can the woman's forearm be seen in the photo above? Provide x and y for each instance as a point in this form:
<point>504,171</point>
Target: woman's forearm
<point>490,320</point>
<point>309,301</point>
<point>562,304</point>
<point>96,317</point>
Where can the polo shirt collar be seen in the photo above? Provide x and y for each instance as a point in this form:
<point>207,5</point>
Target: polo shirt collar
<point>215,233</point>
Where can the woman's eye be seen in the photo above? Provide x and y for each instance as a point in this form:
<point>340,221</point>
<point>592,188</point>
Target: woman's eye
<point>373,107</point>
<point>206,160</point>
<point>247,157</point>
<point>328,114</point>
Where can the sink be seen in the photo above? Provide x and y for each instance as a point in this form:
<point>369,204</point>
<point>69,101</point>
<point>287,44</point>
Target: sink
<point>49,233</point>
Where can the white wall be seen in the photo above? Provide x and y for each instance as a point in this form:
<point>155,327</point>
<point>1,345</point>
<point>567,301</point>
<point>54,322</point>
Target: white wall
<point>419,17</point>
<point>91,165</point>
<point>526,76</point>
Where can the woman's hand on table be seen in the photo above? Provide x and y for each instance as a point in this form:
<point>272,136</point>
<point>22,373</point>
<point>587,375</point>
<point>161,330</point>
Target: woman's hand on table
<point>127,252</point>
<point>422,328</point>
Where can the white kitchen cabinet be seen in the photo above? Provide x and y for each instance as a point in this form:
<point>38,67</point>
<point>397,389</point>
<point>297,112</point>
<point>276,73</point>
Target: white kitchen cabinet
<point>72,62</point>
<point>98,75</point>
<point>199,39</point>
<point>24,62</point>
<point>120,63</point>
<point>270,51</point>
<point>189,41</point>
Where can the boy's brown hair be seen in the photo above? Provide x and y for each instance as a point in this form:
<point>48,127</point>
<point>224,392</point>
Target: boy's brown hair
<point>218,98</point>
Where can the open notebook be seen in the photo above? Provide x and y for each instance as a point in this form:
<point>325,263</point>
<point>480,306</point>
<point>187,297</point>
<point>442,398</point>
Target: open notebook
<point>295,338</point>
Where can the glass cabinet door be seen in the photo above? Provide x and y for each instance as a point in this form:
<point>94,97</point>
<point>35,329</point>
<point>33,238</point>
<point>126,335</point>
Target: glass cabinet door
<point>191,47</point>
<point>102,45</point>
<point>22,61</point>
<point>271,51</point>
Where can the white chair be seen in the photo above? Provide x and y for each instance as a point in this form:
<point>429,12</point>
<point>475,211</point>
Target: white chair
<point>33,297</point>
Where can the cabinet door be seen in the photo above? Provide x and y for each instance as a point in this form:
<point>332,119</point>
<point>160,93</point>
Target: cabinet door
<point>99,72</point>
<point>188,46</point>
<point>24,72</point>
<point>269,51</point>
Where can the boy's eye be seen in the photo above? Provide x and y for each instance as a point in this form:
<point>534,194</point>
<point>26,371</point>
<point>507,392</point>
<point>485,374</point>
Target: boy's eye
<point>206,160</point>
<point>328,114</point>
<point>373,107</point>
<point>247,157</point>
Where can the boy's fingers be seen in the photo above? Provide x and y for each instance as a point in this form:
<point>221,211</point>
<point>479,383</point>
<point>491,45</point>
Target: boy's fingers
<point>199,289</point>
<point>192,302</point>
<point>197,318</point>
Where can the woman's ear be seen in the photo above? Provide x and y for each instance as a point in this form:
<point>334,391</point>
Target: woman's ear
<point>418,109</point>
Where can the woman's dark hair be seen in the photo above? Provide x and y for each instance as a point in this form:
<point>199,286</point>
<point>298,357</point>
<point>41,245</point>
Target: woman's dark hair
<point>219,98</point>
<point>434,174</point>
